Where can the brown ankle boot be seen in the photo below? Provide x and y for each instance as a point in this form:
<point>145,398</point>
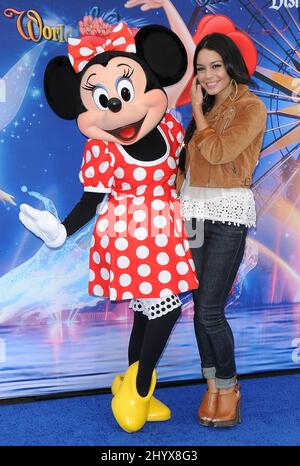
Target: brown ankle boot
<point>207,408</point>
<point>228,412</point>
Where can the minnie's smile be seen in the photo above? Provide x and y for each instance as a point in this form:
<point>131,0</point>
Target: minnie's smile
<point>127,132</point>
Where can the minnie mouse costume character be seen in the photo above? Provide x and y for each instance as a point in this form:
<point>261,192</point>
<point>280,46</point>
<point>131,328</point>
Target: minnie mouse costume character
<point>113,85</point>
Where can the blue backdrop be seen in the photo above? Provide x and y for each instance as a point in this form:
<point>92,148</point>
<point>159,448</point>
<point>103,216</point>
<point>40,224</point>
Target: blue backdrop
<point>54,337</point>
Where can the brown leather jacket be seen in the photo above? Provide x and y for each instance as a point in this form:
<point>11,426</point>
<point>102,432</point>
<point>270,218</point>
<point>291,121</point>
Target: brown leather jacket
<point>225,154</point>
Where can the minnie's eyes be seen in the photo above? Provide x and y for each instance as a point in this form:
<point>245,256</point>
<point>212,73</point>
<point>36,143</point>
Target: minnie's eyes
<point>100,94</point>
<point>101,97</point>
<point>125,90</point>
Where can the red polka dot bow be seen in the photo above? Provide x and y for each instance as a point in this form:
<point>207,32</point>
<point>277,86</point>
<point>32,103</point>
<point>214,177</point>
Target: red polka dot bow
<point>82,50</point>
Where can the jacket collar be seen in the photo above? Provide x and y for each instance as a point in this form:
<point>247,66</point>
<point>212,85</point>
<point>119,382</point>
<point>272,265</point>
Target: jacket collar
<point>242,89</point>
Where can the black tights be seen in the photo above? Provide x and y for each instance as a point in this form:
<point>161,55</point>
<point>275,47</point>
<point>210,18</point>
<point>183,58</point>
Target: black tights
<point>147,341</point>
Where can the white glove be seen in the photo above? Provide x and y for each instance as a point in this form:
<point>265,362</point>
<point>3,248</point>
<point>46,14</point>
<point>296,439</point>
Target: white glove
<point>44,225</point>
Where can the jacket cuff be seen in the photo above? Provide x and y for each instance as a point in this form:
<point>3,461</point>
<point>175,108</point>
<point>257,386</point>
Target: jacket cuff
<point>201,134</point>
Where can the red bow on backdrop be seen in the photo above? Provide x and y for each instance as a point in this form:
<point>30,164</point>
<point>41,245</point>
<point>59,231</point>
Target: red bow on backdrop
<point>223,25</point>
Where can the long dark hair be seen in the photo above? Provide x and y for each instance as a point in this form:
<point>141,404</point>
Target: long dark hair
<point>235,67</point>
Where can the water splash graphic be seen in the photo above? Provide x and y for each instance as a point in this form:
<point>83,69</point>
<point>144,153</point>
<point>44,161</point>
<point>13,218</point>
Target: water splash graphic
<point>52,282</point>
<point>15,84</point>
<point>48,204</point>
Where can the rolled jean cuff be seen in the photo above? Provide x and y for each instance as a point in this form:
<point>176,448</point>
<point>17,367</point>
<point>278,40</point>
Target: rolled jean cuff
<point>209,372</point>
<point>226,383</point>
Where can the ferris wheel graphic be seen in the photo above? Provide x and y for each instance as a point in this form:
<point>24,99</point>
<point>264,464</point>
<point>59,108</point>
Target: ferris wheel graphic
<point>276,37</point>
<point>279,74</point>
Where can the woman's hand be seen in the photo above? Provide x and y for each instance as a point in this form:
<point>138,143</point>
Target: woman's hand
<point>146,4</point>
<point>196,95</point>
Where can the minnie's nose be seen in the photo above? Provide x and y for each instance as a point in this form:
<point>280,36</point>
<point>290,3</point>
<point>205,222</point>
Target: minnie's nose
<point>114,104</point>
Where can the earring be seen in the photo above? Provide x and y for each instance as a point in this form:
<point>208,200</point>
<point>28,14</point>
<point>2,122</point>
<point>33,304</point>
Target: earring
<point>234,85</point>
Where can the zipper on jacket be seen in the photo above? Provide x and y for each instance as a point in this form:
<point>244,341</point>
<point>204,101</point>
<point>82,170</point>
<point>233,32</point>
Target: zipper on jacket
<point>208,177</point>
<point>233,167</point>
<point>228,120</point>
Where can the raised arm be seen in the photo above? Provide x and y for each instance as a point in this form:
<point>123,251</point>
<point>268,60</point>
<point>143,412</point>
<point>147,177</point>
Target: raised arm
<point>179,27</point>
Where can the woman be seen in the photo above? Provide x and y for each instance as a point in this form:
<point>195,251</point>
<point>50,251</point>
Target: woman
<point>223,143</point>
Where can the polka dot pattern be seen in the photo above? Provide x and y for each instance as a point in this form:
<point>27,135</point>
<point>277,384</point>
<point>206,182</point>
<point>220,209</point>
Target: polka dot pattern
<point>140,233</point>
<point>97,169</point>
<point>162,258</point>
<point>125,279</point>
<point>104,273</point>
<point>158,191</point>
<point>144,270</point>
<point>145,288</point>
<point>120,210</point>
<point>139,248</point>
<point>156,307</point>
<point>164,276</point>
<point>123,262</point>
<point>139,216</point>
<point>139,174</point>
<point>104,242</point>
<point>96,257</point>
<point>120,226</point>
<point>142,252</point>
<point>158,204</point>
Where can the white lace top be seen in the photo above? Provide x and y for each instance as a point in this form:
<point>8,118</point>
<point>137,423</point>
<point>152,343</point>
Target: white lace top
<point>232,205</point>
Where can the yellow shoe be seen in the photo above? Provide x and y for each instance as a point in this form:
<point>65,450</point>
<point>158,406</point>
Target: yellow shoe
<point>129,408</point>
<point>158,411</point>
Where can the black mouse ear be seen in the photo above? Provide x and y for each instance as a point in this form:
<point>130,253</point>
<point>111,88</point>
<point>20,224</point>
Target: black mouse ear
<point>61,87</point>
<point>164,53</point>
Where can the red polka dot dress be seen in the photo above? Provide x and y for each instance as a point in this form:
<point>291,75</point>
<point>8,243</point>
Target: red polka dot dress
<point>139,247</point>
